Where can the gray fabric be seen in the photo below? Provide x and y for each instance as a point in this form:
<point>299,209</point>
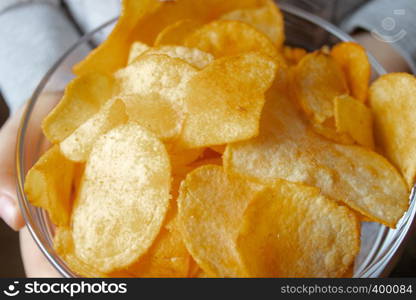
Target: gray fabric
<point>32,36</point>
<point>390,21</point>
<point>9,4</point>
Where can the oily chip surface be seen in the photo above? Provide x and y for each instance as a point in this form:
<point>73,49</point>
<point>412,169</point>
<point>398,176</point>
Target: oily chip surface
<point>392,99</point>
<point>123,198</point>
<point>290,230</point>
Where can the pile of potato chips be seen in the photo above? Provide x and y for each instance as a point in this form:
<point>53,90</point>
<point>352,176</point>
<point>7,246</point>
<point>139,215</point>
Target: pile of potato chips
<point>193,143</point>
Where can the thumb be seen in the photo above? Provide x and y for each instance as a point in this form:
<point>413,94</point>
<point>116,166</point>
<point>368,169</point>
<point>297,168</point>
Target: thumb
<point>9,208</point>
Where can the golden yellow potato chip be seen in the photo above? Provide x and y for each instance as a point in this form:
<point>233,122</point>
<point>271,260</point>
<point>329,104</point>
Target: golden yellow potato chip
<point>329,131</point>
<point>293,55</point>
<point>353,60</point>
<point>317,80</point>
<point>168,256</point>
<point>161,116</point>
<point>48,185</point>
<point>267,19</point>
<point>227,38</point>
<point>223,103</point>
<point>290,230</point>
<point>392,99</point>
<point>77,146</point>
<point>112,54</point>
<point>143,20</point>
<point>64,246</point>
<point>219,149</point>
<point>287,149</point>
<point>183,157</point>
<point>192,56</point>
<point>175,34</point>
<point>211,204</point>
<point>83,98</point>
<point>355,119</point>
<point>156,73</point>
<point>123,199</point>
<point>136,49</point>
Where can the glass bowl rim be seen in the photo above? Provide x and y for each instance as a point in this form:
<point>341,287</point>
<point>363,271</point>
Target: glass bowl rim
<point>20,145</point>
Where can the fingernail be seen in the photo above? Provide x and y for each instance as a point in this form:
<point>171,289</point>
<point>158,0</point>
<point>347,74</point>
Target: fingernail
<point>8,211</point>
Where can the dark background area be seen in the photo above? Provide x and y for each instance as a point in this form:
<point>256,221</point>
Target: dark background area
<point>11,262</point>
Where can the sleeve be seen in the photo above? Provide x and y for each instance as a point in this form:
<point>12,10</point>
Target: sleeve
<point>33,36</point>
<point>391,22</point>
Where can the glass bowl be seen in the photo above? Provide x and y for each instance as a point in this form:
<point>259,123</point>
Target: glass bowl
<point>380,246</point>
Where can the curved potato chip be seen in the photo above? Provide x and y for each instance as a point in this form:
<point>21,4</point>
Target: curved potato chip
<point>267,19</point>
<point>290,230</point>
<point>227,38</point>
<point>392,100</point>
<point>286,148</point>
<point>175,34</point>
<point>83,98</point>
<point>219,149</point>
<point>123,199</point>
<point>317,80</point>
<point>143,20</point>
<point>211,205</point>
<point>168,256</point>
<point>329,132</point>
<point>156,73</point>
<point>355,119</point>
<point>77,146</point>
<point>223,104</point>
<point>192,56</point>
<point>136,49</point>
<point>49,186</point>
<point>353,60</point>
<point>161,116</point>
<point>184,157</point>
<point>113,52</point>
<point>293,55</point>
<point>64,246</point>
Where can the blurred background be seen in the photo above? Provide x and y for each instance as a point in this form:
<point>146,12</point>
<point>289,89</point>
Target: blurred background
<point>35,26</point>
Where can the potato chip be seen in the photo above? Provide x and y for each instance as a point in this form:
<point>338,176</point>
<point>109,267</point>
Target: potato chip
<point>353,60</point>
<point>161,116</point>
<point>219,149</point>
<point>136,49</point>
<point>392,99</point>
<point>156,73</point>
<point>77,146</point>
<point>290,230</point>
<point>175,34</point>
<point>183,157</point>
<point>287,149</point>
<point>192,56</point>
<point>328,131</point>
<point>293,55</point>
<point>224,104</point>
<point>168,256</point>
<point>317,80</point>
<point>227,38</point>
<point>170,12</point>
<point>112,54</point>
<point>143,20</point>
<point>355,119</point>
<point>123,199</point>
<point>267,19</point>
<point>211,205</point>
<point>49,186</point>
<point>83,98</point>
<point>64,246</point>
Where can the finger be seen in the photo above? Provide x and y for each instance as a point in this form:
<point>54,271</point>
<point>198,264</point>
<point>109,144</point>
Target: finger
<point>35,263</point>
<point>9,210</point>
